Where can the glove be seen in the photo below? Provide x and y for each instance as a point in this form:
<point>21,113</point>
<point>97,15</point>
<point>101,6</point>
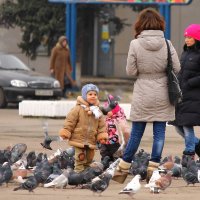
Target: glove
<point>96,111</point>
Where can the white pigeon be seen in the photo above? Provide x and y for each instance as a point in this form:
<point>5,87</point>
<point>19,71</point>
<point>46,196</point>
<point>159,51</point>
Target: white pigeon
<point>60,181</point>
<point>19,179</point>
<point>57,153</point>
<point>198,175</point>
<point>151,185</point>
<point>132,187</point>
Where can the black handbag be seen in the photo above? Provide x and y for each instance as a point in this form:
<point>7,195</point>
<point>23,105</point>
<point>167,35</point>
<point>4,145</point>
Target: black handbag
<point>174,90</point>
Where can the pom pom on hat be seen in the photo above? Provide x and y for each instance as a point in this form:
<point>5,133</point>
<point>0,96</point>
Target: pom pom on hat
<point>88,87</point>
<point>193,31</point>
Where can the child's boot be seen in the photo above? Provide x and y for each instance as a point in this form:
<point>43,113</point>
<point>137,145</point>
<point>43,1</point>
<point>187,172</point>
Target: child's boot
<point>121,171</point>
<point>151,167</point>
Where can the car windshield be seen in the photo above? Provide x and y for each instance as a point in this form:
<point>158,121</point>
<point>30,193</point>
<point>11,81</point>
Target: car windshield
<point>11,62</point>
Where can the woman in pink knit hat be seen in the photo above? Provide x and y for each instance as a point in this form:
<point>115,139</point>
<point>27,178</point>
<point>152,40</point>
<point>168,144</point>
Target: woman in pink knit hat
<point>188,111</point>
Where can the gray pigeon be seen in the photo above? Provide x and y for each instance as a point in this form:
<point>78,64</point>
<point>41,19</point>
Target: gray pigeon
<point>17,152</point>
<point>4,155</point>
<point>75,178</point>
<point>60,181</point>
<point>100,183</point>
<point>47,139</point>
<point>91,172</point>
<point>177,168</point>
<point>43,170</point>
<point>189,177</point>
<point>30,184</point>
<point>5,173</point>
<point>190,173</point>
<point>31,159</point>
<point>56,171</point>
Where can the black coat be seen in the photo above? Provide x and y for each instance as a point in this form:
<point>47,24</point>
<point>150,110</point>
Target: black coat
<point>188,111</point>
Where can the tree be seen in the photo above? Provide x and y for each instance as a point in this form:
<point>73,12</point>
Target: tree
<point>42,22</point>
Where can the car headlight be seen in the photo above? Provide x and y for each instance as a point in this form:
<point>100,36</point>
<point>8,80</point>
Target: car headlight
<point>18,83</point>
<point>56,84</point>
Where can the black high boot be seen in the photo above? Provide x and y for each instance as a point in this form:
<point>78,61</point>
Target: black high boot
<point>197,149</point>
<point>186,157</point>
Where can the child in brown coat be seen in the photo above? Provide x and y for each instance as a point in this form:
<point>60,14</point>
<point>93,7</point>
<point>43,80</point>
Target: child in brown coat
<point>84,126</point>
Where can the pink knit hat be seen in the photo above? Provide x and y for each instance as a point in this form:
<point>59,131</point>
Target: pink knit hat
<point>193,30</point>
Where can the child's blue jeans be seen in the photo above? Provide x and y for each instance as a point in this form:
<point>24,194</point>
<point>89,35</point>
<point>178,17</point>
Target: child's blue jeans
<point>187,132</point>
<point>136,136</point>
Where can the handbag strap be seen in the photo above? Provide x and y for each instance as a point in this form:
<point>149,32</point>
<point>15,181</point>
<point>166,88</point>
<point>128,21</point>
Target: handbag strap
<point>169,56</point>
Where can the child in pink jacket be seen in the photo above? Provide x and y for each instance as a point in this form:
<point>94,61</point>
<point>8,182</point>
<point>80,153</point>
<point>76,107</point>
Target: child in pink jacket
<point>117,129</point>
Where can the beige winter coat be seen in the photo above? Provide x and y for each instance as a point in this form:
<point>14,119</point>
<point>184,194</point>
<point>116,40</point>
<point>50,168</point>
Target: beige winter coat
<point>81,127</point>
<point>147,61</point>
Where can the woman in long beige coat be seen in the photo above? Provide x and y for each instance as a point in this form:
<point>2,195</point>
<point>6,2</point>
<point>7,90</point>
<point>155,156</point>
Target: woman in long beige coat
<point>60,65</point>
<point>147,61</point>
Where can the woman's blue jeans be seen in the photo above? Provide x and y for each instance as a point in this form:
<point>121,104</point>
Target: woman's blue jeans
<point>187,132</point>
<point>136,136</point>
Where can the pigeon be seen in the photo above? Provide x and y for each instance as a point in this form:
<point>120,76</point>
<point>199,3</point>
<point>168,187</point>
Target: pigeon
<point>139,164</point>
<point>75,178</point>
<point>177,168</point>
<point>47,139</point>
<point>17,152</point>
<point>60,181</point>
<point>66,159</point>
<point>95,169</point>
<point>5,173</point>
<point>70,151</point>
<point>167,163</point>
<point>19,179</point>
<point>164,181</point>
<point>137,167</point>
<point>99,184</point>
<point>30,184</point>
<point>106,161</point>
<point>31,159</point>
<point>189,177</point>
<point>56,154</point>
<point>40,158</point>
<point>132,187</point>
<point>21,171</point>
<point>5,155</point>
<point>56,172</point>
<point>20,162</point>
<point>43,170</point>
<point>190,173</point>
<point>155,176</point>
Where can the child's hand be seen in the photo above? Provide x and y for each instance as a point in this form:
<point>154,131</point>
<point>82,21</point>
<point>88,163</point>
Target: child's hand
<point>110,114</point>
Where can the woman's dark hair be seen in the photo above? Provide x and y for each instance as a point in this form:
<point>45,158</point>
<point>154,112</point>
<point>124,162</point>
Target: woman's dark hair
<point>196,46</point>
<point>149,19</point>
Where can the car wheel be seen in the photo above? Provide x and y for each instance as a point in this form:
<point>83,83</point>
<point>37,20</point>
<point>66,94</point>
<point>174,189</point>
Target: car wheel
<point>3,102</point>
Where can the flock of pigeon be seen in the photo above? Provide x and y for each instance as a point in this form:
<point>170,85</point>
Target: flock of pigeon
<point>30,170</point>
